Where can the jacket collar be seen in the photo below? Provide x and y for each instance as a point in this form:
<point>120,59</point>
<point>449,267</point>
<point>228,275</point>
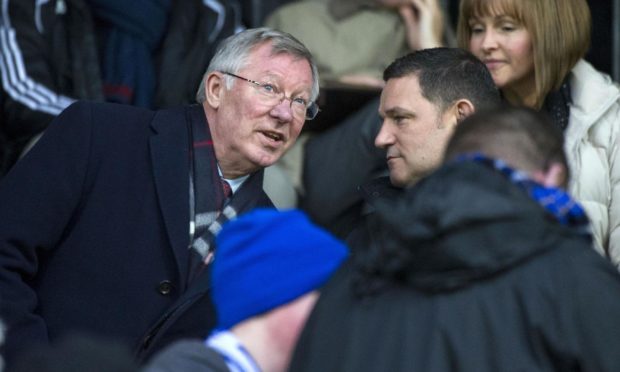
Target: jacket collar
<point>170,162</point>
<point>461,224</point>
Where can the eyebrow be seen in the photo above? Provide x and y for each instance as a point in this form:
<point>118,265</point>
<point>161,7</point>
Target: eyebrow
<point>277,80</point>
<point>398,111</point>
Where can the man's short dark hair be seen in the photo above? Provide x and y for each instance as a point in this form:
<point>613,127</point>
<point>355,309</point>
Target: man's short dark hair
<point>446,75</point>
<point>526,139</point>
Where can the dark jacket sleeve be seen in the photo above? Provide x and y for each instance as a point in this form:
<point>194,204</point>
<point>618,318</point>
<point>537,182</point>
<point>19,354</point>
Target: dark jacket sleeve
<point>345,153</point>
<point>37,202</point>
<point>29,87</point>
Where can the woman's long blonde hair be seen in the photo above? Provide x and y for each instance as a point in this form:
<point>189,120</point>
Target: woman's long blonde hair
<point>560,32</point>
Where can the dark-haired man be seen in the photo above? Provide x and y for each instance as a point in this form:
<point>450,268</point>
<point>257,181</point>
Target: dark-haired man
<point>427,94</point>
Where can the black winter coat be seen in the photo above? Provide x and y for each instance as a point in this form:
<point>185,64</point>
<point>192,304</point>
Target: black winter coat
<point>470,275</point>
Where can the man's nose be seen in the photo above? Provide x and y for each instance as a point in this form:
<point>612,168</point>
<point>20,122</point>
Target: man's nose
<point>384,137</point>
<point>283,110</point>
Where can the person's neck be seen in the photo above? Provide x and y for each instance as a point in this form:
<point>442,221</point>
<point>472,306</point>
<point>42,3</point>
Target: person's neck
<point>255,337</point>
<point>521,94</point>
<point>231,172</point>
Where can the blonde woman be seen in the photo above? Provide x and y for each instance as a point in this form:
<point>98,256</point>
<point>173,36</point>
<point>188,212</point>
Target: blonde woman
<point>534,50</point>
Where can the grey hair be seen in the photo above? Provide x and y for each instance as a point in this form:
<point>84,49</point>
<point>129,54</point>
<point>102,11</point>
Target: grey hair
<point>233,52</point>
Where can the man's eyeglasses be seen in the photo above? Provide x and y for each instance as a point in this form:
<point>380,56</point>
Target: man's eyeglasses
<point>271,95</point>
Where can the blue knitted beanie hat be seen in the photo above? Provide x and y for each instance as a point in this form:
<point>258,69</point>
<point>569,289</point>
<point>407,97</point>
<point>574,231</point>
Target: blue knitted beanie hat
<point>267,258</point>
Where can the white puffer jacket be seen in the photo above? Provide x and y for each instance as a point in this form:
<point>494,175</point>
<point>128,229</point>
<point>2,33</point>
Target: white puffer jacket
<point>593,149</point>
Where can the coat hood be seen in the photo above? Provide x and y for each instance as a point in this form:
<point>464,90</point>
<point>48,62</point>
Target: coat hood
<point>462,224</point>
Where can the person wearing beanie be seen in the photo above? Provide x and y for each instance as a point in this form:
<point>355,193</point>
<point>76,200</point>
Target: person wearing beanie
<point>268,268</point>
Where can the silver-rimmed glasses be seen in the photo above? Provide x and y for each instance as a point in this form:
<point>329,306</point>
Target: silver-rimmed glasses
<point>271,95</point>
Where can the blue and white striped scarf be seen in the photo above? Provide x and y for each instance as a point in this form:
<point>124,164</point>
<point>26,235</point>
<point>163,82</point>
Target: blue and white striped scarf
<point>236,357</point>
<point>554,200</point>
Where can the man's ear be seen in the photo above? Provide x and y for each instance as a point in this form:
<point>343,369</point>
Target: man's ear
<point>463,108</point>
<point>457,112</point>
<point>555,176</point>
<point>214,87</point>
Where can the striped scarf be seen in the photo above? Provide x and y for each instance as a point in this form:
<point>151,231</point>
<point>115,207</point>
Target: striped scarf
<point>554,200</point>
<point>236,357</point>
<point>210,209</point>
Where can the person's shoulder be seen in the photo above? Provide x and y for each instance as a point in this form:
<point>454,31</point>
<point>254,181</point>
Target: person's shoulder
<point>179,113</point>
<point>377,188</point>
<point>586,261</point>
<point>112,113</point>
<point>592,89</point>
<point>104,111</point>
<point>109,121</point>
<point>575,262</point>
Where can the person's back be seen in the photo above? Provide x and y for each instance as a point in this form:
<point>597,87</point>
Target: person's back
<point>468,272</point>
<point>49,59</point>
<point>496,324</point>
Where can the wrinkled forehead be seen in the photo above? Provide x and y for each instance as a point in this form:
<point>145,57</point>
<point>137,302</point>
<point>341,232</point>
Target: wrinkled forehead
<point>267,57</point>
<point>271,57</point>
<point>493,8</point>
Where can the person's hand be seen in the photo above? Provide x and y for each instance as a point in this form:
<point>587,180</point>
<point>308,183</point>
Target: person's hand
<point>424,23</point>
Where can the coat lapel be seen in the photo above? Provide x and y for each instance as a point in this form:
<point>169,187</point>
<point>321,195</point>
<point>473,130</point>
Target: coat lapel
<point>170,161</point>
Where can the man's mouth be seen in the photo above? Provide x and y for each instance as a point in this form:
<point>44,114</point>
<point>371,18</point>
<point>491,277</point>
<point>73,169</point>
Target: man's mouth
<point>274,136</point>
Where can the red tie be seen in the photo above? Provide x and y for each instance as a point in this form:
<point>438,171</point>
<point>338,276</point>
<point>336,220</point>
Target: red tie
<point>227,189</point>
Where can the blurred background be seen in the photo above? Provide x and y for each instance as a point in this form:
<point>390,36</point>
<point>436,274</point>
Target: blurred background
<point>604,53</point>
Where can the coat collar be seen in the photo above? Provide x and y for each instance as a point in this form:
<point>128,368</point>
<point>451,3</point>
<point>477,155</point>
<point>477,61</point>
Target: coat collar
<point>593,93</point>
<point>463,223</point>
<point>169,146</point>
